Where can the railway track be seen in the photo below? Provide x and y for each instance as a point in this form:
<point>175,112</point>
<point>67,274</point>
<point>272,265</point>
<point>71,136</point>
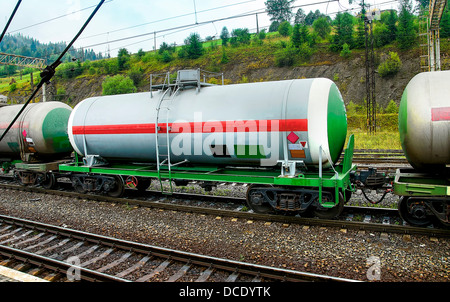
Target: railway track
<point>371,219</point>
<point>389,157</point>
<point>75,255</point>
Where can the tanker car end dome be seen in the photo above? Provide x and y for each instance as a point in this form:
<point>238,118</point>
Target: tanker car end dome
<point>41,129</point>
<point>424,121</point>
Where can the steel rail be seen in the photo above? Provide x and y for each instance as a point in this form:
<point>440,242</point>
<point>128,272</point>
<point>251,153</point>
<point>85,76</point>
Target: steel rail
<point>271,273</point>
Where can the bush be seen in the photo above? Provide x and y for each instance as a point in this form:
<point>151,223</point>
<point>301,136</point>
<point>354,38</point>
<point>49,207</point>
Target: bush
<point>284,28</point>
<point>391,66</point>
<point>391,107</point>
<point>346,52</point>
<point>117,85</point>
<point>285,57</point>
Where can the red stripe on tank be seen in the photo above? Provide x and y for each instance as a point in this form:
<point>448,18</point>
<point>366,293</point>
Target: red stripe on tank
<point>440,114</point>
<point>197,127</point>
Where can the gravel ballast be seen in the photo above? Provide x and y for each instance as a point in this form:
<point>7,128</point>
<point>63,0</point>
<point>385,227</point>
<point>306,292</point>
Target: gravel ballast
<point>332,251</point>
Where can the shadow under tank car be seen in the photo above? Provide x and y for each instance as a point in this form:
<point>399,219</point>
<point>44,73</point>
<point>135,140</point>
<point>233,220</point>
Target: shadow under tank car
<point>282,138</point>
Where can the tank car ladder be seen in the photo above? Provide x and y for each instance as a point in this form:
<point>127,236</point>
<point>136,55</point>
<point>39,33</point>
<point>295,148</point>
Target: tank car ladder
<point>164,158</point>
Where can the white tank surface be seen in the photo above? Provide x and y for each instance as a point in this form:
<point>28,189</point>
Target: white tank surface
<point>424,120</point>
<point>41,129</point>
<point>241,124</point>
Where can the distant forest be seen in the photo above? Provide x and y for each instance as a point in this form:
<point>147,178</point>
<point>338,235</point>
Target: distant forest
<point>29,47</point>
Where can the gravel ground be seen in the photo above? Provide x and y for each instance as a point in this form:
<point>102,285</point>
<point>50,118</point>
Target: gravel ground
<point>332,251</point>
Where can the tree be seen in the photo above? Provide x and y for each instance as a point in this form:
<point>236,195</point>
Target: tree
<point>406,33</point>
<point>343,24</point>
<point>123,58</point>
<point>360,41</point>
<point>445,24</point>
<point>193,46</point>
<point>313,16</point>
<point>240,36</point>
<point>296,38</point>
<point>117,85</point>
<point>284,29</point>
<point>225,36</point>
<point>391,23</point>
<point>300,16</point>
<point>322,27</point>
<point>279,10</point>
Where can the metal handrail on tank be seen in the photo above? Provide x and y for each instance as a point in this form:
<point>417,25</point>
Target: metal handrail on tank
<point>185,78</point>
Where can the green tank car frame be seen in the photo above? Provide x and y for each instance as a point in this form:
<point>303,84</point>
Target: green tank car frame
<point>424,197</point>
<point>327,188</point>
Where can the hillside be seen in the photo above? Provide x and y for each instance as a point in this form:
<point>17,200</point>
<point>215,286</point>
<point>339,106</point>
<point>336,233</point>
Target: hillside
<point>253,62</point>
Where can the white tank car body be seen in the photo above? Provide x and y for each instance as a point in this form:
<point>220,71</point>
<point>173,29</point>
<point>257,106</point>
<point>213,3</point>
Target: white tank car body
<point>242,124</point>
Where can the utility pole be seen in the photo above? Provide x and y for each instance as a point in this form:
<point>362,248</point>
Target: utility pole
<point>371,106</point>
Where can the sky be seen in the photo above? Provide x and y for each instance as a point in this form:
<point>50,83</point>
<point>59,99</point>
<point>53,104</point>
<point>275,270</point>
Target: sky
<point>170,21</point>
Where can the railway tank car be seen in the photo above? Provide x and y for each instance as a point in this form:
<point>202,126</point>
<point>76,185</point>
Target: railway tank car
<point>424,126</point>
<point>189,130</point>
<point>38,137</point>
<point>218,125</point>
<point>41,130</point>
<point>424,120</point>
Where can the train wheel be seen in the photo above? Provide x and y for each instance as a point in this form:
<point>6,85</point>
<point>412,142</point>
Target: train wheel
<point>413,212</point>
<point>330,213</point>
<point>256,200</point>
<point>118,187</point>
<point>49,182</point>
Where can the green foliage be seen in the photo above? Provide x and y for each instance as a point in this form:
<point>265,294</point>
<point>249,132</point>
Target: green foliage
<point>274,26</point>
<point>360,40</point>
<point>312,16</point>
<point>391,107</point>
<point>123,58</point>
<point>224,59</point>
<point>406,34</point>
<point>284,28</point>
<point>322,27</point>
<point>285,57</point>
<point>240,36</point>
<point>300,35</point>
<point>445,24</point>
<point>343,25</point>
<point>117,85</point>
<point>12,87</point>
<point>390,66</point>
<point>346,52</point>
<point>288,56</point>
<point>136,75</point>
<point>193,47</point>
<point>166,47</point>
<point>225,36</point>
<point>262,34</point>
<point>279,10</point>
